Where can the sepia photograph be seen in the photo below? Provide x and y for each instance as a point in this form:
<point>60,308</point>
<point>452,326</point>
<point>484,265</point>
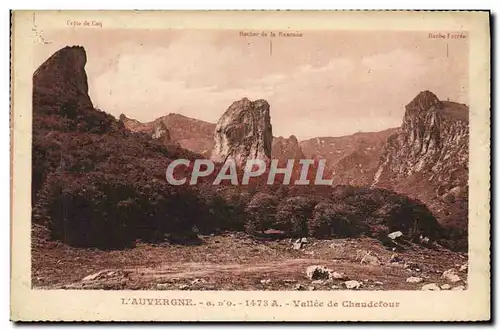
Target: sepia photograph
<point>249,159</point>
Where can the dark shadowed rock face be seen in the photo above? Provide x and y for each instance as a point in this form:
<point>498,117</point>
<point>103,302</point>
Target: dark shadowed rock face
<point>60,83</point>
<point>244,132</point>
<point>285,149</point>
<point>428,157</point>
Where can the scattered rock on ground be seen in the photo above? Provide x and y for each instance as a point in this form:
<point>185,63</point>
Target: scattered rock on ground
<point>352,284</point>
<point>265,281</point>
<point>92,277</point>
<point>197,281</point>
<point>318,282</point>
<point>105,274</point>
<point>162,286</point>
<point>303,240</point>
<point>451,276</point>
<point>297,245</point>
<point>395,258</point>
<point>424,240</point>
<point>445,286</point>
<point>338,275</point>
<point>431,287</point>
<point>318,272</point>
<point>412,266</point>
<point>335,287</point>
<point>395,235</point>
<point>414,280</point>
<point>183,287</point>
<point>311,288</point>
<point>370,259</point>
<point>458,288</point>
<point>378,283</point>
<point>299,287</point>
<point>464,267</point>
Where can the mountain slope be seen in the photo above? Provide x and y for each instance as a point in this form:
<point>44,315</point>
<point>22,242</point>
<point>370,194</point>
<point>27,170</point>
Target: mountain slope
<point>428,158</point>
<point>190,133</point>
<point>94,182</point>
<point>352,159</point>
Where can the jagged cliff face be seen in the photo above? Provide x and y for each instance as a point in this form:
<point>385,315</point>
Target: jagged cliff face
<point>285,149</point>
<point>60,83</point>
<point>244,132</point>
<point>351,160</point>
<point>428,157</point>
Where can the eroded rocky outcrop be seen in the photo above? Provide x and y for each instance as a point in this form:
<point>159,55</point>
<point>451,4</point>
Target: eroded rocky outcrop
<point>60,83</point>
<point>428,157</point>
<point>244,132</point>
<point>285,149</point>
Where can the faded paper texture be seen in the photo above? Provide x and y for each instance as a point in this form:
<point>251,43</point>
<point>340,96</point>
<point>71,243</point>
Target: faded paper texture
<point>389,221</point>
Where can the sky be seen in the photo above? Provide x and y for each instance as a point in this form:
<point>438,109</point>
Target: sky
<point>325,83</point>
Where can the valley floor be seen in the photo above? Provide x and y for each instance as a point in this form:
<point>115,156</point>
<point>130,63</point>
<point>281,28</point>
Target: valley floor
<point>236,261</point>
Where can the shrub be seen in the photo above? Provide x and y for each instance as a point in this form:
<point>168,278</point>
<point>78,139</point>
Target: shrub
<point>260,213</point>
<point>293,215</point>
<point>331,221</point>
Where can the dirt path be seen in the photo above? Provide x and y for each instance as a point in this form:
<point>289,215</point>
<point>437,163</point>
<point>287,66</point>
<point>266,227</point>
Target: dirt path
<point>190,270</point>
<point>229,263</point>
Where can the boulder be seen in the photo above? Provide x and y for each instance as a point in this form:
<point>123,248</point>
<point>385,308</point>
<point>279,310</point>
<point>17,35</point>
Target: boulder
<point>370,259</point>
<point>445,287</point>
<point>338,275</point>
<point>431,287</point>
<point>299,287</point>
<point>297,245</point>
<point>395,235</point>
<point>451,276</point>
<point>162,286</point>
<point>92,277</point>
<point>414,280</point>
<point>318,272</point>
<point>352,284</point>
<point>265,281</point>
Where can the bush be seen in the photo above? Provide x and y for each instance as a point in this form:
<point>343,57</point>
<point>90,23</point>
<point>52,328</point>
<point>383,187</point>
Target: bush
<point>101,210</point>
<point>331,221</point>
<point>260,213</point>
<point>293,215</point>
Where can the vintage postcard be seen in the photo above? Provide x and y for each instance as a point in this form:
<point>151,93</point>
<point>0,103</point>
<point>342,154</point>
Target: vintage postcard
<point>250,166</point>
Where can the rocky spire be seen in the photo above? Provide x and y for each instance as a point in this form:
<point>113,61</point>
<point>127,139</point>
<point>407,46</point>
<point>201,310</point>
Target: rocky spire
<point>60,83</point>
<point>244,132</point>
